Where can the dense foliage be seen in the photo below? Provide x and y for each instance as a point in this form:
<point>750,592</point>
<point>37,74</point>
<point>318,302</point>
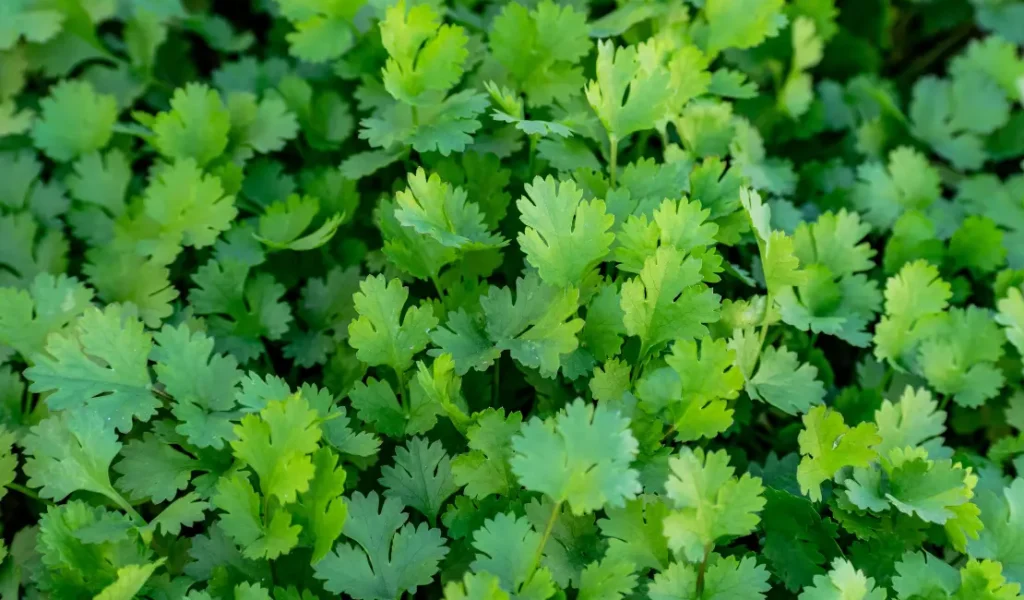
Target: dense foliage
<point>494,300</point>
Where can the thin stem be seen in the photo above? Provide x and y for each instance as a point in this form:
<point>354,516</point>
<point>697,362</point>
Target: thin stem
<point>555,510</point>
<point>125,506</point>
<point>24,491</point>
<point>764,326</point>
<point>948,42</point>
<point>613,159</point>
<point>437,288</point>
<point>702,570</point>
<point>531,165</point>
<point>401,389</point>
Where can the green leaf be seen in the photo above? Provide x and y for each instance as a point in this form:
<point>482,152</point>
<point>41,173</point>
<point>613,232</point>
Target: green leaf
<point>278,444</point>
<point>141,458</point>
<point>239,309</point>
<point>25,19</point>
<point>196,127</point>
<point>607,580</point>
<point>581,456</point>
<point>282,225</point>
<point>184,511</point>
<point>433,207</point>
<point>1011,317</point>
<point>426,58</point>
<point>506,548</point>
<point>741,23</point>
<point>118,389</point>
<point>74,120</point>
<point>709,502</point>
<point>635,533</point>
<point>784,383</point>
<point>263,126</point>
<point>668,300</point>
<point>843,582</point>
<point>390,558</point>
<point>187,208</point>
<point>49,306</point>
<point>421,477</point>
<point>539,49</point>
<point>828,444</point>
<point>321,511</point>
<point>725,579</point>
<point>620,71</point>
<point>380,335</point>
<point>71,451</point>
<point>538,327</point>
<point>913,421</point>
<point>130,581</point>
<point>565,238</point>
<point>8,460</point>
<point>798,542</point>
<point>485,468</point>
<point>258,536</point>
<point>323,29</point>
<point>483,586</point>
<point>203,384</point>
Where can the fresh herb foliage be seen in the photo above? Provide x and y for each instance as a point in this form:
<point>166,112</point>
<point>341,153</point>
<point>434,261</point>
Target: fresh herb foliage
<point>511,300</point>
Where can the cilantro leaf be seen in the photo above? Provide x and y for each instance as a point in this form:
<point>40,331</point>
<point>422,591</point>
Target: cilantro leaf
<point>539,327</point>
<point>709,501</point>
<point>196,127</point>
<point>506,548</point>
<point>485,469</point>
<point>622,70</point>
<point>323,29</point>
<point>71,451</point>
<point>24,19</point>
<point>425,57</point>
<point>202,384</point>
<point>741,23</point>
<point>278,444</point>
<point>635,533</point>
<point>668,300</point>
<point>49,306</point>
<point>258,536</point>
<point>540,48</point>
<point>581,457</point>
<point>380,334</point>
<point>389,558</point>
<point>421,477</point>
<point>433,207</point>
<point>321,511</point>
<point>240,309</point>
<point>843,581</point>
<point>61,132</point>
<point>725,578</point>
<point>828,444</point>
<point>784,383</point>
<point>117,390</point>
<point>565,238</point>
<point>282,225</point>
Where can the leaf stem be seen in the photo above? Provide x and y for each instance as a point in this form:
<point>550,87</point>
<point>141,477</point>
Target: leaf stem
<point>24,491</point>
<point>531,162</point>
<point>124,505</point>
<point>702,570</point>
<point>555,510</point>
<point>401,389</point>
<point>613,159</point>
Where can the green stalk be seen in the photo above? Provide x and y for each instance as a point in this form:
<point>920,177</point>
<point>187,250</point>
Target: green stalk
<point>613,159</point>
